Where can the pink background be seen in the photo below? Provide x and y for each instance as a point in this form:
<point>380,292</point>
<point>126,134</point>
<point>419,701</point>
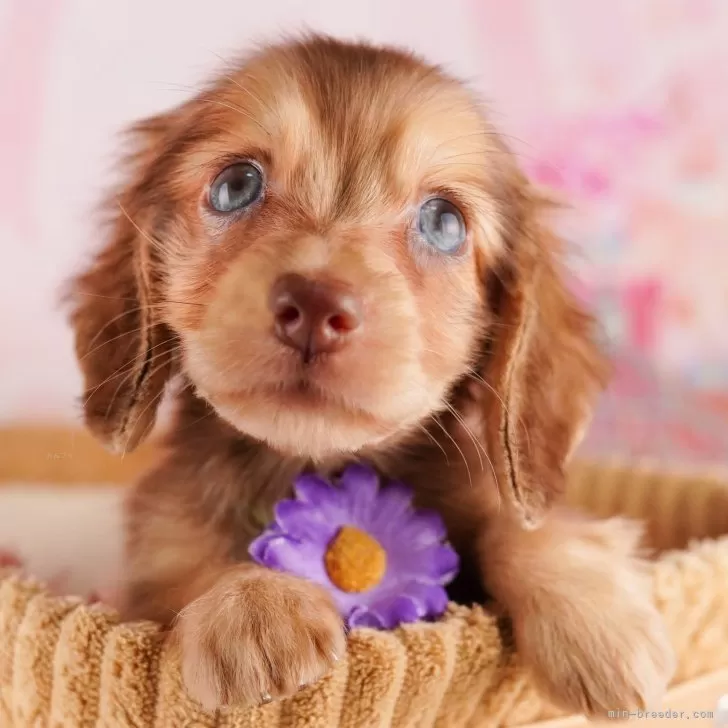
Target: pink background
<point>620,106</point>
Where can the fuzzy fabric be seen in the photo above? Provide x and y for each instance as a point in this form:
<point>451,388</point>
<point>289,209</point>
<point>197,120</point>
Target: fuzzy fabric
<point>69,664</point>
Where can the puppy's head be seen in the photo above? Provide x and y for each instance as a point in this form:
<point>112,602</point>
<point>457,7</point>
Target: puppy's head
<point>329,242</point>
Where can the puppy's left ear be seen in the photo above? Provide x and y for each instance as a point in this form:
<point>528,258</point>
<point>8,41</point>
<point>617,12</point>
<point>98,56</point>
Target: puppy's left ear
<point>541,363</point>
<point>125,352</point>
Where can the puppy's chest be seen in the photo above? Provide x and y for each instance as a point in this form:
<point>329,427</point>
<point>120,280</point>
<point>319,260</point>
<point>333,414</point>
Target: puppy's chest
<point>434,488</point>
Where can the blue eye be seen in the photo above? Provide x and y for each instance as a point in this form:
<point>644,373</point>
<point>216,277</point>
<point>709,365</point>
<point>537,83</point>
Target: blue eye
<point>236,187</point>
<point>442,226</point>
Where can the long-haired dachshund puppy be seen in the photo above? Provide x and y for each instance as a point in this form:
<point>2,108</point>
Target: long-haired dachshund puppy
<point>336,258</point>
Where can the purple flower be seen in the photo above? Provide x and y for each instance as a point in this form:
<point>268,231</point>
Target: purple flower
<point>383,562</point>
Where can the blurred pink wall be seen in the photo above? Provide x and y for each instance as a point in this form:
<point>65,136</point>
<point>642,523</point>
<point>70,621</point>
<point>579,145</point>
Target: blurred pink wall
<point>622,107</point>
<point>619,105</point>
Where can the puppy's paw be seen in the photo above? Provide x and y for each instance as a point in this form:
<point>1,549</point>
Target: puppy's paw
<point>593,638</point>
<point>256,636</point>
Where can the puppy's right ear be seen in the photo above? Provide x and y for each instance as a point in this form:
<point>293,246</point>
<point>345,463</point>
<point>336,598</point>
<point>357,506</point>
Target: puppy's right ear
<point>542,365</point>
<point>126,355</point>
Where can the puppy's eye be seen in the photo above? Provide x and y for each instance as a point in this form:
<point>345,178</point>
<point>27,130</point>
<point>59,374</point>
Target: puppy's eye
<point>236,187</point>
<point>442,226</point>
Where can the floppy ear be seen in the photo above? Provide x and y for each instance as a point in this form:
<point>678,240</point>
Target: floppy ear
<point>543,365</point>
<point>125,354</point>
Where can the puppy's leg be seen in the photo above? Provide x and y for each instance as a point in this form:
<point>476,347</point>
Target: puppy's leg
<point>581,606</point>
<point>257,635</point>
<point>247,634</point>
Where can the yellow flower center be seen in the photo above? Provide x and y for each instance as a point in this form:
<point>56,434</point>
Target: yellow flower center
<point>355,562</point>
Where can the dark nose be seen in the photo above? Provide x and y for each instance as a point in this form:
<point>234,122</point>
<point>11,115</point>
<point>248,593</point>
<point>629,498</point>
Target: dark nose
<point>313,317</point>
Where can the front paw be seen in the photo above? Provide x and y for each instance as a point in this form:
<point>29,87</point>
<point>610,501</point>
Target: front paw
<point>257,635</point>
<point>594,640</point>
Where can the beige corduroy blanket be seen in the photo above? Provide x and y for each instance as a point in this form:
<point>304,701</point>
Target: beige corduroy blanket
<point>69,665</point>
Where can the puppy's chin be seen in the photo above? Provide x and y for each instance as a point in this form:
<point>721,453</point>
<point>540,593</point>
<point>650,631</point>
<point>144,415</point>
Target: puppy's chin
<point>307,427</point>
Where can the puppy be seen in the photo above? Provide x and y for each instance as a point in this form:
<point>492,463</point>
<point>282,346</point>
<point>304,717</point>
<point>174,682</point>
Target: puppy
<point>335,256</point>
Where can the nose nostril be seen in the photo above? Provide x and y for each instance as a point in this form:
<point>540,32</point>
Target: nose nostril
<point>313,317</point>
<point>288,315</point>
<point>339,323</point>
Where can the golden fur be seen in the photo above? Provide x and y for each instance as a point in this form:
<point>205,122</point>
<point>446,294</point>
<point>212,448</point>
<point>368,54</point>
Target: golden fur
<point>471,378</point>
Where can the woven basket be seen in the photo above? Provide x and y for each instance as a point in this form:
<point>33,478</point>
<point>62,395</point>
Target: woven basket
<point>68,665</point>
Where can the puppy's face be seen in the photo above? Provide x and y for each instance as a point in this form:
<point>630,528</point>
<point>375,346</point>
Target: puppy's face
<point>332,220</point>
<point>329,242</point>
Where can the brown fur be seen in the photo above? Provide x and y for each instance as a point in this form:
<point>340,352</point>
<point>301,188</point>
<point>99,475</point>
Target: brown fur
<point>472,376</point>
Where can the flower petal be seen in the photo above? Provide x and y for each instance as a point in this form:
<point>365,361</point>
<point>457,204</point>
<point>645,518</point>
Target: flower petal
<point>390,511</point>
<point>424,528</point>
<point>432,596</point>
<point>358,476</point>
<point>314,489</point>
<point>359,484</point>
<point>303,521</point>
<point>439,563</point>
<point>363,617</point>
<point>259,545</point>
<point>396,498</point>
<point>302,559</point>
<point>400,609</point>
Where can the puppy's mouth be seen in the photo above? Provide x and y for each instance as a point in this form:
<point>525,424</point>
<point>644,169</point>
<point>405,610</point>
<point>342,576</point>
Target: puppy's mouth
<point>302,418</point>
<point>333,404</point>
<point>301,393</point>
<point>305,390</point>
